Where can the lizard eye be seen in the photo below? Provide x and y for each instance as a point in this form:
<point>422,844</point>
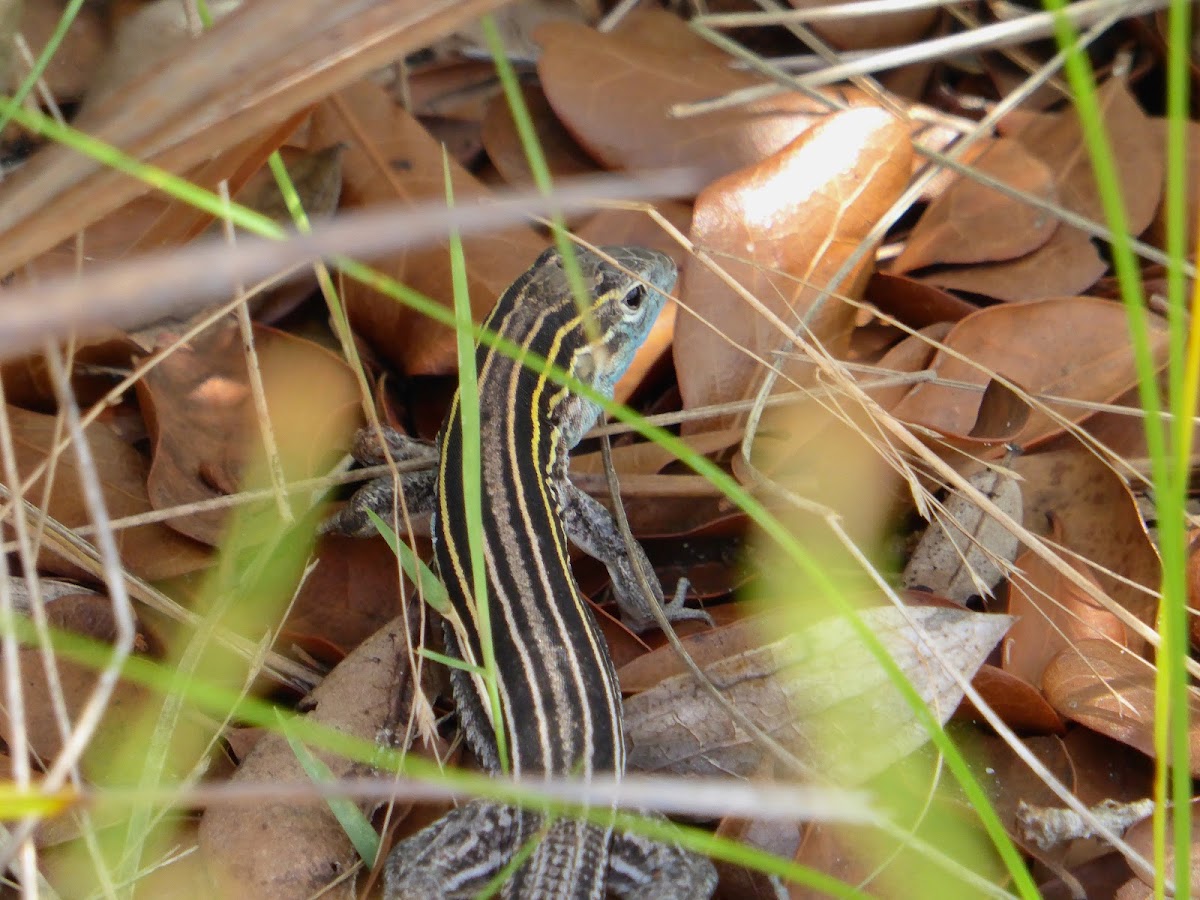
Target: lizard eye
<point>633,300</point>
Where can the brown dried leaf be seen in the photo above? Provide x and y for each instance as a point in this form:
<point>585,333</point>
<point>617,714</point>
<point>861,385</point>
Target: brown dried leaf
<point>1157,233</point>
<point>1002,414</point>
<point>1110,690</point>
<point>151,551</point>
<point>972,222</point>
<point>781,229</point>
<point>1052,614</point>
<point>73,65</point>
<point>27,381</point>
<point>91,615</point>
<point>277,850</point>
<point>353,591</point>
<point>1068,263</point>
<point>201,417</point>
<point>870,32</point>
<point>401,162</point>
<point>910,355</point>
<point>1106,769</point>
<point>1008,778</point>
<point>705,647</point>
<point>780,838</point>
<point>1072,347</point>
<point>1018,703</point>
<point>1100,522</point>
<point>914,303</point>
<point>564,156</point>
<point>1140,837</point>
<point>1058,141</point>
<point>146,37</point>
<point>818,691</point>
<point>651,63</point>
<point>629,226</point>
<point>648,458</point>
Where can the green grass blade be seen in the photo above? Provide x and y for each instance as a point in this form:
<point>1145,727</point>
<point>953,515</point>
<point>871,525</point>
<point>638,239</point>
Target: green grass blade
<point>428,585</point>
<point>538,168</point>
<point>356,825</point>
<point>43,61</point>
<point>1172,680</point>
<point>451,662</point>
<point>1171,708</point>
<point>467,401</point>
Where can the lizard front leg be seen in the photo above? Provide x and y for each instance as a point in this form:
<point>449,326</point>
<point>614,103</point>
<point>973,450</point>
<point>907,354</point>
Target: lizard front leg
<point>379,494</point>
<point>593,530</point>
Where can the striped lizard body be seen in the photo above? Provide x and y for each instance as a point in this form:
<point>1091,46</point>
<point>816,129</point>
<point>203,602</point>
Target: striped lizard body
<point>559,698</point>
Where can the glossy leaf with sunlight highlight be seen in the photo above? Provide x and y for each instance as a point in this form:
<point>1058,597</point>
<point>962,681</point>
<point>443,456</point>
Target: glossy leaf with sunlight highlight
<point>781,229</point>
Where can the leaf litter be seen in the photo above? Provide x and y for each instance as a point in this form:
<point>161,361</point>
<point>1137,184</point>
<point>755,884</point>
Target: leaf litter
<point>975,290</point>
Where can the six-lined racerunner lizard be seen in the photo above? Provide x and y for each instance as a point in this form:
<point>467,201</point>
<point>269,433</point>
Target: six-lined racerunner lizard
<point>560,703</point>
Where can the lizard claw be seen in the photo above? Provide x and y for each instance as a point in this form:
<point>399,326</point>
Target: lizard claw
<point>677,611</point>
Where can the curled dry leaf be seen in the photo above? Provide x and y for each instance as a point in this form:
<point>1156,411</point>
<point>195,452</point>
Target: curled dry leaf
<point>391,158</point>
<point>1110,690</point>
<point>277,850</point>
<point>201,417</point>
<point>27,381</point>
<point>1073,348</point>
<point>1100,522</point>
<point>1052,614</point>
<point>1001,416</point>
<point>1069,263</point>
<point>818,691</point>
<point>652,62</point>
<point>972,222</point>
<point>151,551</point>
<point>965,552</point>
<point>781,229</point>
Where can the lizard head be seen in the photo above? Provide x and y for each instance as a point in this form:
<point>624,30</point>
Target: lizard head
<point>626,289</point>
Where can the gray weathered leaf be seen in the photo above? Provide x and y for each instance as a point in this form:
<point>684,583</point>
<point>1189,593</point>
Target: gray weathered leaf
<point>819,692</point>
<point>962,553</point>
